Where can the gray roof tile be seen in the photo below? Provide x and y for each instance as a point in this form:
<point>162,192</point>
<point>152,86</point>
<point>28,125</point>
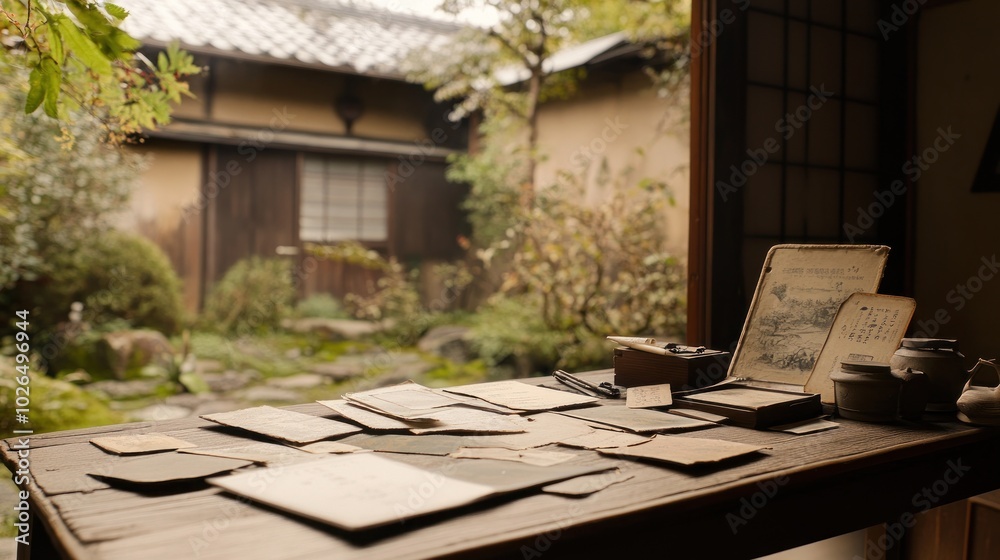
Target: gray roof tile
<point>330,33</point>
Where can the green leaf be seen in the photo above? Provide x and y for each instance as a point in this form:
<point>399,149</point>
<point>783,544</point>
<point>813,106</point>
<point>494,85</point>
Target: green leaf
<point>52,78</point>
<point>81,46</point>
<point>56,45</point>
<point>36,92</point>
<point>116,11</point>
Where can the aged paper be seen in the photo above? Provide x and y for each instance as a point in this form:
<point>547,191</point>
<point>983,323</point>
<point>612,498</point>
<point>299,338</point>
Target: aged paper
<point>473,402</point>
<point>407,401</point>
<point>603,439</point>
<point>538,457</point>
<point>433,444</point>
<point>367,417</point>
<point>168,467</point>
<point>260,452</point>
<point>355,491</point>
<point>471,420</point>
<point>867,328</point>
<point>683,450</point>
<point>140,443</point>
<point>521,396</point>
<point>540,429</point>
<point>587,484</point>
<point>744,397</point>
<point>797,296</point>
<point>806,426</point>
<point>700,415</point>
<point>283,424</point>
<point>322,447</point>
<point>638,420</point>
<point>649,396</point>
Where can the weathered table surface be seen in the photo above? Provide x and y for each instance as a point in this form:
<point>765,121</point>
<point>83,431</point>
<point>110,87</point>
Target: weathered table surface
<point>803,488</point>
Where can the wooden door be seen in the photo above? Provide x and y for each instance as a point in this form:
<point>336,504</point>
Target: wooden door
<point>254,210</point>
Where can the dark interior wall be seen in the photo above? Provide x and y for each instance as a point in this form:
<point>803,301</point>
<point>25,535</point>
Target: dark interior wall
<point>807,114</point>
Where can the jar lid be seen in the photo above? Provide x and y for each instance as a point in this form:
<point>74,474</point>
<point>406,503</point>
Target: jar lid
<point>930,343</point>
<point>865,367</point>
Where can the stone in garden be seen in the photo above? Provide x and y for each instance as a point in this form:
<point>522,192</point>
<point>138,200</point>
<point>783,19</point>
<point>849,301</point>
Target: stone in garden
<point>161,412</point>
<point>213,406</point>
<point>263,393</point>
<point>209,366</point>
<point>128,350</point>
<point>334,329</point>
<point>229,380</point>
<point>130,389</point>
<point>346,367</point>
<point>448,341</point>
<point>300,381</point>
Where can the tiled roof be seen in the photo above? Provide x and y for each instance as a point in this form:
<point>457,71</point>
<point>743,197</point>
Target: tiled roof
<point>320,33</point>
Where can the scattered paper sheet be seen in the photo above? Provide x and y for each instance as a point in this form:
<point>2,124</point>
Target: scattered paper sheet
<point>587,484</point>
<point>363,490</point>
<point>367,417</point>
<point>700,415</point>
<point>473,402</point>
<point>638,420</point>
<point>408,401</point>
<point>521,396</point>
<point>683,450</point>
<point>260,452</point>
<point>433,444</point>
<point>322,447</point>
<point>806,426</point>
<point>168,467</point>
<point>471,420</point>
<point>140,443</point>
<point>355,491</point>
<point>603,439</point>
<point>541,429</point>
<point>744,397</point>
<point>538,457</point>
<point>649,396</point>
<point>283,424</point>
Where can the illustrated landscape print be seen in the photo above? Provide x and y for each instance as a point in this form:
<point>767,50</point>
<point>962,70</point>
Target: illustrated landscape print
<point>801,287</point>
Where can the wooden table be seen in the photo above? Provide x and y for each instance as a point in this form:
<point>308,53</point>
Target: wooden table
<point>804,488</point>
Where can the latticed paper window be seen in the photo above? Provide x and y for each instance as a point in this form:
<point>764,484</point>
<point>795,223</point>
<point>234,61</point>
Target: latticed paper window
<point>343,198</point>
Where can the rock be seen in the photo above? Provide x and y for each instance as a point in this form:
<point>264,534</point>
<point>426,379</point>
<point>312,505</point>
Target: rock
<point>264,393</point>
<point>208,366</point>
<point>448,341</point>
<point>213,406</point>
<point>129,389</point>
<point>78,376</point>
<point>229,380</point>
<point>397,374</point>
<point>334,329</point>
<point>160,412</point>
<point>187,400</point>
<point>300,381</point>
<point>346,367</point>
<point>128,350</point>
<point>293,353</point>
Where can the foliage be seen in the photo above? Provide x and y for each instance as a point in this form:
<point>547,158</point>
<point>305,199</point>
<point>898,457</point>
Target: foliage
<point>55,405</point>
<point>394,294</point>
<point>118,277</point>
<point>323,306</point>
<point>252,297</point>
<point>79,58</point>
<point>510,328</point>
<point>60,183</point>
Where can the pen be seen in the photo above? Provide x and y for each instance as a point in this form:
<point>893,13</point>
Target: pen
<point>605,389</point>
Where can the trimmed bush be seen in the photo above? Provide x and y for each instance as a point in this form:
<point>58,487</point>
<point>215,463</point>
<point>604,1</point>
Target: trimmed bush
<point>253,297</point>
<point>118,277</point>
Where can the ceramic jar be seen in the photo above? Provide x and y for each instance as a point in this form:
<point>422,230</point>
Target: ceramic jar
<point>913,396</point>
<point>941,362</point>
<point>867,391</point>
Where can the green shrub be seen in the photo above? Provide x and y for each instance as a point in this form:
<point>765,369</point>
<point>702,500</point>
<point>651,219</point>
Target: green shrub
<point>253,297</point>
<point>321,306</point>
<point>118,277</point>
